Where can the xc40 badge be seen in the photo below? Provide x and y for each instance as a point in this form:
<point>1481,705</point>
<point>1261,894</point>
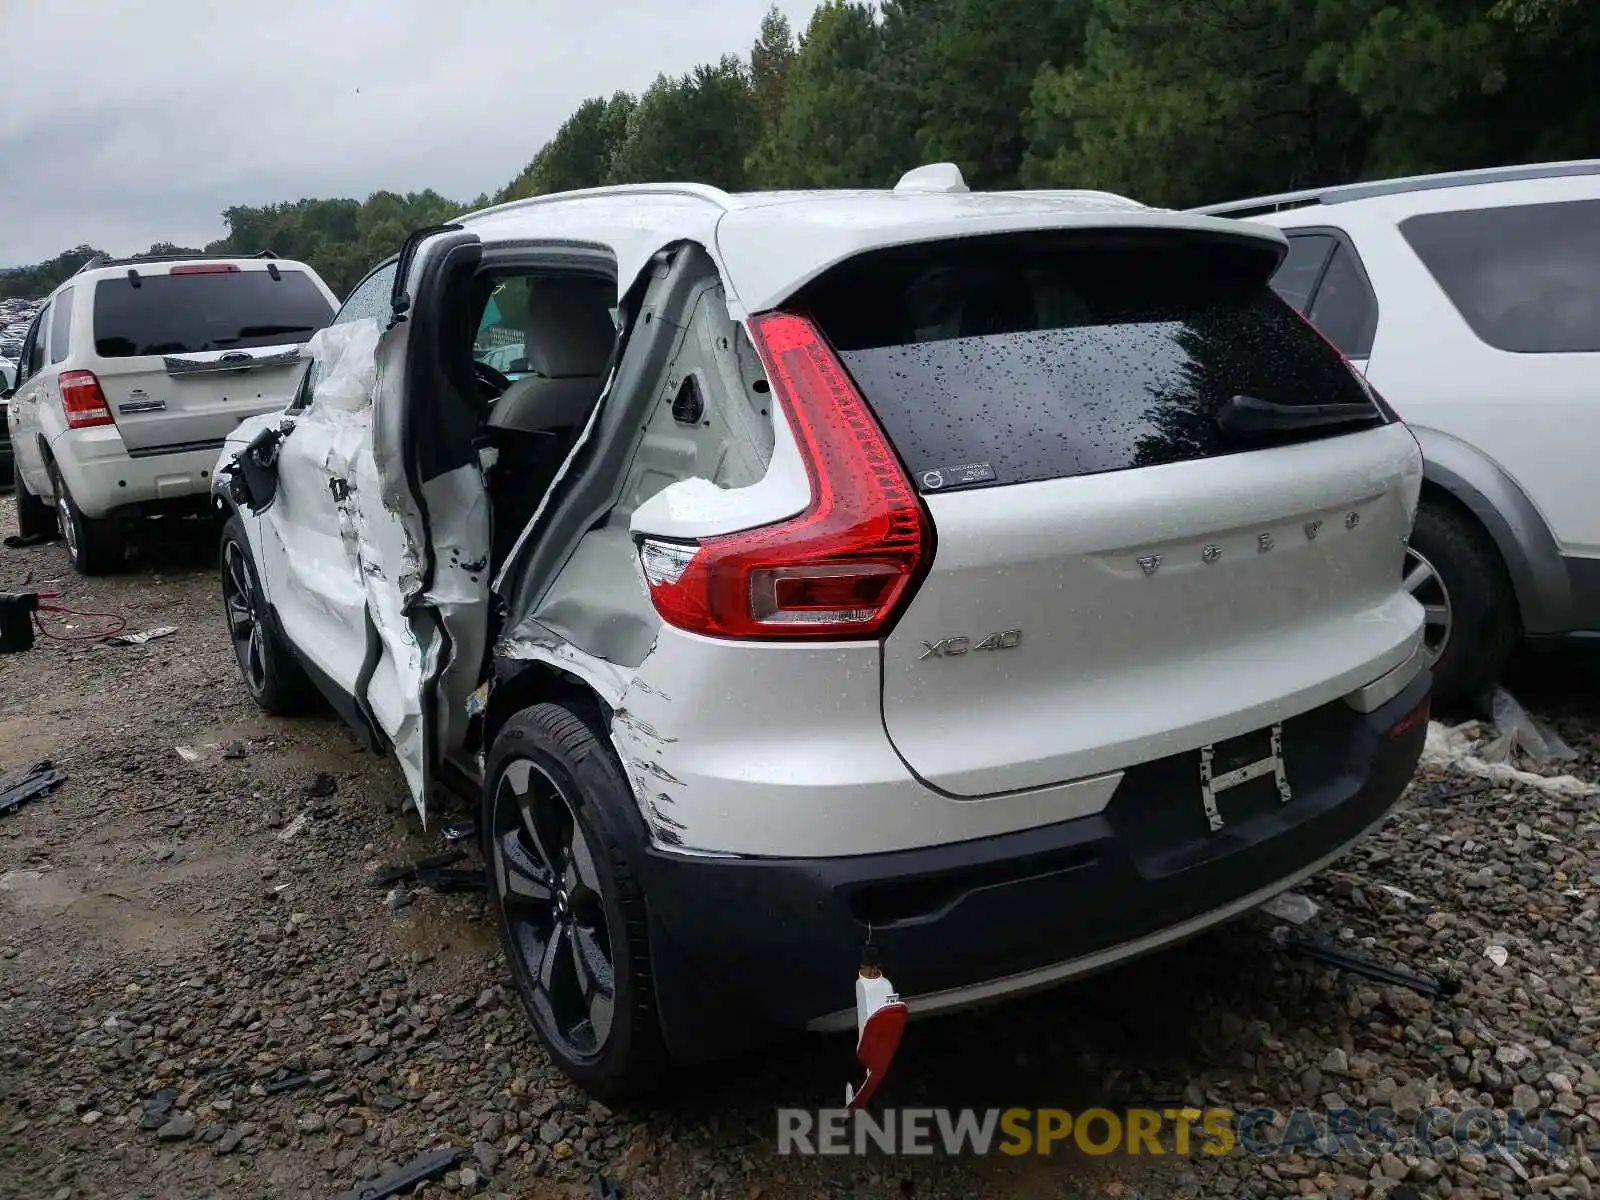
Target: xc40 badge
<point>954,647</point>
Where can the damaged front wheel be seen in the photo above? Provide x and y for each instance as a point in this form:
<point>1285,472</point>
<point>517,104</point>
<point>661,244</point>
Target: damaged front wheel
<point>570,913</point>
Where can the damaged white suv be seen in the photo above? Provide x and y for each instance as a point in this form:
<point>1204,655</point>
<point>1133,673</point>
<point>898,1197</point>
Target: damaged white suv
<point>1010,580</point>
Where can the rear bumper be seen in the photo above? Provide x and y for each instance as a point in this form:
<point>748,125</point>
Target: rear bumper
<point>106,481</point>
<point>746,949</point>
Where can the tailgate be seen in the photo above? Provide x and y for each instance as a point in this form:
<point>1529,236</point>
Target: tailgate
<point>1166,512</point>
<point>184,357</point>
<point>185,403</point>
<point>1152,620</point>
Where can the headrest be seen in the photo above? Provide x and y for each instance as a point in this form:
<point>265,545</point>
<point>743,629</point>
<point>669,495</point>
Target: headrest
<point>570,331</point>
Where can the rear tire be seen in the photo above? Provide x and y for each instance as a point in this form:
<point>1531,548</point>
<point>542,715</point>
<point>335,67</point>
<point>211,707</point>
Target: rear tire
<point>1470,583</point>
<point>269,670</point>
<point>570,912</point>
<point>34,518</point>
<point>94,546</point>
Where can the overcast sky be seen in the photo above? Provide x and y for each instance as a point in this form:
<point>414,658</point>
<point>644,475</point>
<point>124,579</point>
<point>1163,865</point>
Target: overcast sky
<point>127,124</point>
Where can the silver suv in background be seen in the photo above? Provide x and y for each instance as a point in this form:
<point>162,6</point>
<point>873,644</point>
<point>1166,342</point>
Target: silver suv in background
<point>1008,581</point>
<point>1471,300</point>
<point>131,376</point>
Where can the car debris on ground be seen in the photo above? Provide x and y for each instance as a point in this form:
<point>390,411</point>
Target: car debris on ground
<point>143,636</point>
<point>437,872</point>
<point>27,783</point>
<point>1492,751</point>
<point>419,1170</point>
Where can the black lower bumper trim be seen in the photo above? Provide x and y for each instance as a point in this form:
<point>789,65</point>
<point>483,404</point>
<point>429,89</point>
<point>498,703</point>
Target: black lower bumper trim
<point>747,949</point>
<point>176,448</point>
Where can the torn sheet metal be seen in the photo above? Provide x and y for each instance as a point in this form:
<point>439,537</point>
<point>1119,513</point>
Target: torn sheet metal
<point>458,508</point>
<point>638,740</point>
<point>388,452</point>
<point>531,642</point>
<point>382,551</point>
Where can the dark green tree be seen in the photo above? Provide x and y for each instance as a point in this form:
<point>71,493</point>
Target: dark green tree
<point>697,128</point>
<point>964,71</point>
<point>1451,84</point>
<point>837,129</point>
<point>581,152</point>
<point>340,239</point>
<point>771,58</point>
<point>1179,104</point>
<point>43,278</point>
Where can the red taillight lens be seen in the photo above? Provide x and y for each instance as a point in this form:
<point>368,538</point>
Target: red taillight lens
<point>83,400</point>
<point>204,269</point>
<point>845,566</point>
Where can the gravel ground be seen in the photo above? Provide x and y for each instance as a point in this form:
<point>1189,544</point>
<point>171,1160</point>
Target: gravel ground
<point>202,994</point>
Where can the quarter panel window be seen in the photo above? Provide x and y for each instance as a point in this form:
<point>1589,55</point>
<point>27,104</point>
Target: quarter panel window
<point>61,326</point>
<point>1344,307</point>
<point>1525,278</point>
<point>33,353</point>
<point>1296,277</point>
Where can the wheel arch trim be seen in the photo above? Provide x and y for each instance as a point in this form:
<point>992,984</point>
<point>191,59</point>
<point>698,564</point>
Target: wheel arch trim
<point>1518,531</point>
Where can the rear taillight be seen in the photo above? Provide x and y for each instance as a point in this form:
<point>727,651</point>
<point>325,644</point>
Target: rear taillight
<point>205,269</point>
<point>83,400</point>
<point>843,568</point>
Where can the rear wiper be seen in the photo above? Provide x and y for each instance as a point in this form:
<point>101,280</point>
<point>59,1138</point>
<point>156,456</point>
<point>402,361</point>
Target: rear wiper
<point>1251,414</point>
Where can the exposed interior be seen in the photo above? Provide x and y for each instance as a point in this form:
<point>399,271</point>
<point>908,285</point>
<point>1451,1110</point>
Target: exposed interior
<point>555,334</point>
<point>539,340</point>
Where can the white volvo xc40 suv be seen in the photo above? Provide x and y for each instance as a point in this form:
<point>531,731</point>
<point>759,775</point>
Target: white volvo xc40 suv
<point>1011,579</point>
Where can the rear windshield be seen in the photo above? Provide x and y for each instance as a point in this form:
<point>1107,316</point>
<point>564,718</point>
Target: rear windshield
<point>186,314</point>
<point>1001,360</point>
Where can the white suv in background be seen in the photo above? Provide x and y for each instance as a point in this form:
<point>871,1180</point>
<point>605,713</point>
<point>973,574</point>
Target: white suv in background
<point>1008,581</point>
<point>1472,302</point>
<point>133,374</point>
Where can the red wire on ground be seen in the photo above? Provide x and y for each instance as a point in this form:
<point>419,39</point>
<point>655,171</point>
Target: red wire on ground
<point>119,624</point>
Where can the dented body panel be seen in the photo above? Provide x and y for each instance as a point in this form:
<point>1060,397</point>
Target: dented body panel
<point>829,786</point>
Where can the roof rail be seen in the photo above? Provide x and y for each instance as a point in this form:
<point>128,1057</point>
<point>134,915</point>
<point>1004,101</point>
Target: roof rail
<point>700,191</point>
<point>1344,193</point>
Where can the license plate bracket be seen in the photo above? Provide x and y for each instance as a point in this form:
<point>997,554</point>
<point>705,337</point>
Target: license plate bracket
<point>1213,781</point>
